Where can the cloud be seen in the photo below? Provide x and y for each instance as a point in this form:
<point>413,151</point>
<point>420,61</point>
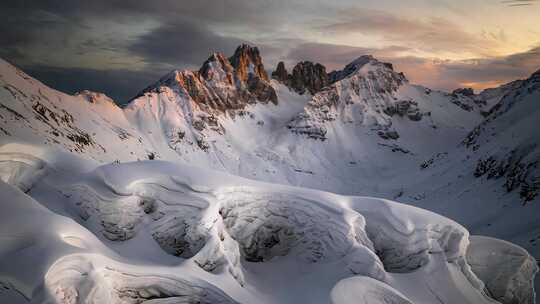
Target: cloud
<point>335,56</point>
<point>447,75</point>
<point>181,44</point>
<point>180,33</point>
<point>430,35</point>
<point>517,3</point>
<point>483,72</point>
<point>120,46</point>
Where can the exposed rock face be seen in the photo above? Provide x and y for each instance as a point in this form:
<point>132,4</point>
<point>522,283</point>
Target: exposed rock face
<point>517,92</point>
<point>366,83</point>
<point>281,74</point>
<point>306,76</point>
<point>408,108</point>
<point>214,63</point>
<point>250,73</point>
<point>464,91</point>
<point>247,63</point>
<point>354,66</point>
<point>518,169</point>
<point>222,84</point>
<point>309,76</point>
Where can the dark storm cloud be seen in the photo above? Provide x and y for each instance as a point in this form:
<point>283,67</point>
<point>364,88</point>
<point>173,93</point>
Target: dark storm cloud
<point>254,12</point>
<point>119,84</point>
<point>182,43</point>
<point>124,45</point>
<point>21,29</point>
<point>182,38</point>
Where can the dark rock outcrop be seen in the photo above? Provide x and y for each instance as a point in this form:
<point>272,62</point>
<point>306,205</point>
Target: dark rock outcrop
<point>281,74</point>
<point>306,76</point>
<point>463,91</point>
<point>309,76</point>
<point>350,68</point>
<point>408,108</point>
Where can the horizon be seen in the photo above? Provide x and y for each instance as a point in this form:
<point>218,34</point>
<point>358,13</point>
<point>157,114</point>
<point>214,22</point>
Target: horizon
<point>119,48</point>
<point>268,70</point>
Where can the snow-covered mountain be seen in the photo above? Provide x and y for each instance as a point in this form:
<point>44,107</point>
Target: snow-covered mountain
<point>124,215</point>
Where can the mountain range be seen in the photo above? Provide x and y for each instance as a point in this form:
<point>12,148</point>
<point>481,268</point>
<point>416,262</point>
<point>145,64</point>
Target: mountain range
<point>252,140</point>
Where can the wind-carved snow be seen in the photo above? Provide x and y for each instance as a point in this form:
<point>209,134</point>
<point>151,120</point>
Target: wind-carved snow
<point>363,290</point>
<point>272,225</point>
<point>216,232</point>
<point>21,170</point>
<point>505,268</point>
<point>406,243</point>
<point>75,278</point>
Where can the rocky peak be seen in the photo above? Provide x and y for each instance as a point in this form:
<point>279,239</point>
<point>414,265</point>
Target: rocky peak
<point>350,68</point>
<point>95,97</point>
<point>463,91</point>
<point>217,68</point>
<point>309,76</point>
<point>281,74</point>
<point>358,64</point>
<point>222,84</point>
<point>247,63</point>
<point>306,76</point>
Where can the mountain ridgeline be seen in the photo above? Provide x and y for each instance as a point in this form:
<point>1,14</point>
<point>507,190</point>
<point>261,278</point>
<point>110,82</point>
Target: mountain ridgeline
<point>332,131</point>
<point>364,130</point>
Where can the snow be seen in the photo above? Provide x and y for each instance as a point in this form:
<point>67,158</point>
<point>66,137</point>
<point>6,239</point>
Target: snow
<point>267,203</point>
<point>240,235</point>
<point>504,267</point>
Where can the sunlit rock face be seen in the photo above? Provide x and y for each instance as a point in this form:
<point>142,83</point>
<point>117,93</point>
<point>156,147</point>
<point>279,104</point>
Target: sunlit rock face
<point>249,71</point>
<point>221,84</point>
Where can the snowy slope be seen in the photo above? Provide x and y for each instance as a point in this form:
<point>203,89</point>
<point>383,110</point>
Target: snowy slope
<point>375,126</point>
<point>370,132</point>
<point>157,232</point>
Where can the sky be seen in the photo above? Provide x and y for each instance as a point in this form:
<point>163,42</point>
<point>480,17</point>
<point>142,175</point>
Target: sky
<point>120,46</point>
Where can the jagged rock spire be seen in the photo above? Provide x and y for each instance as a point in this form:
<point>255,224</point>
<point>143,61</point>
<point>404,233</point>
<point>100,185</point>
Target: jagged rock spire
<point>281,74</point>
<point>247,61</point>
<point>215,63</point>
<point>223,84</point>
<point>306,76</point>
<point>309,76</point>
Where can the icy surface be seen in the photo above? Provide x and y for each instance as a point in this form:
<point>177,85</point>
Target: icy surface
<point>506,269</point>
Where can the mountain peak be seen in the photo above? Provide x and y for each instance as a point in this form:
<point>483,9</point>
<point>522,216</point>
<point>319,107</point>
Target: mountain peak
<point>247,62</point>
<point>222,83</point>
<point>306,76</point>
<point>281,74</point>
<point>359,64</point>
<point>218,68</point>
